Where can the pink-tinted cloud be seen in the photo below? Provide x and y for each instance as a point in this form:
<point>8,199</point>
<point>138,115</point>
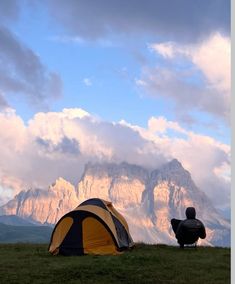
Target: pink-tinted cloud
<point>60,144</point>
<point>181,87</point>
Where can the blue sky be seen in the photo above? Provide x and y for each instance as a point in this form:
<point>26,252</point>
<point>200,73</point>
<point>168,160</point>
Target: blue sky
<point>120,61</point>
<point>111,69</point>
<point>110,65</point>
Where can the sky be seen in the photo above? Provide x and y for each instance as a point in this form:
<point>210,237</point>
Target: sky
<point>112,81</point>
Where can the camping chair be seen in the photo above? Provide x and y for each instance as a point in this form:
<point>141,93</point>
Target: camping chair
<point>193,245</point>
<point>189,237</point>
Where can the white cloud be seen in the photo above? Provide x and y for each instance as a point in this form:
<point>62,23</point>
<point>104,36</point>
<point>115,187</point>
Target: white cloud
<point>183,95</point>
<point>75,113</point>
<point>59,144</point>
<point>212,58</point>
<point>140,82</point>
<point>205,158</point>
<point>224,172</point>
<point>161,125</point>
<point>87,82</point>
<point>165,49</point>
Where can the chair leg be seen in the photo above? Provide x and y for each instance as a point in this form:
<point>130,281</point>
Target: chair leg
<point>182,246</point>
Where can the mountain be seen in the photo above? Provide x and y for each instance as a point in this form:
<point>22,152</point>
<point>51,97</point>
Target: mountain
<point>45,206</point>
<point>147,199</point>
<point>24,234</point>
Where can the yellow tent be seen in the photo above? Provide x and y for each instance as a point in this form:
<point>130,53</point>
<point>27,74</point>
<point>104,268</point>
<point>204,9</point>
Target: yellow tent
<point>94,227</point>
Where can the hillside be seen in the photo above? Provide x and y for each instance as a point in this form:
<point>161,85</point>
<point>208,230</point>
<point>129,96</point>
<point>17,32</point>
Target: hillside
<point>14,221</point>
<point>24,234</point>
<point>144,264</point>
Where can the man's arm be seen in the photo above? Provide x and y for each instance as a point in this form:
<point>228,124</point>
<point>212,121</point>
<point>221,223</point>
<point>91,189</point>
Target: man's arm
<point>179,230</point>
<point>202,233</point>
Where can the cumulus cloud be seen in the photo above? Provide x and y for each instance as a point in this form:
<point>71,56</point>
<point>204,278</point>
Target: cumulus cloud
<point>161,125</point>
<point>184,20</point>
<point>60,144</point>
<point>176,88</point>
<point>215,49</point>
<point>21,72</point>
<point>206,159</point>
<point>195,77</point>
<point>213,58</point>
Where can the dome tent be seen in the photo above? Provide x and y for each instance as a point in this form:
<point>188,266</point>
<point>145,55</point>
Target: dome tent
<point>94,227</point>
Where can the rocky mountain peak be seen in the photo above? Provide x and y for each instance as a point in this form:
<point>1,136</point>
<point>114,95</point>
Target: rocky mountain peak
<point>147,199</point>
<point>173,172</point>
<point>174,165</point>
<point>61,184</point>
<point>115,170</point>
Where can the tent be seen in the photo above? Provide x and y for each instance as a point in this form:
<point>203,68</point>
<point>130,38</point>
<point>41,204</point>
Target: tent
<point>94,227</point>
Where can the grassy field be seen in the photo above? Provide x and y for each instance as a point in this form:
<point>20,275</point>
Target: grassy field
<point>30,263</point>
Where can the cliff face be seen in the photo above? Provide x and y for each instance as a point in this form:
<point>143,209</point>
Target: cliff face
<point>148,200</point>
<point>122,184</point>
<point>44,206</point>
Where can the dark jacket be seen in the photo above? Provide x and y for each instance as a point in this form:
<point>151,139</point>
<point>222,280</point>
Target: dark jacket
<point>190,229</point>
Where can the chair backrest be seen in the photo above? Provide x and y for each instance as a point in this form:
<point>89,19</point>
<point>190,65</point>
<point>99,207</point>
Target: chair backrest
<point>190,231</point>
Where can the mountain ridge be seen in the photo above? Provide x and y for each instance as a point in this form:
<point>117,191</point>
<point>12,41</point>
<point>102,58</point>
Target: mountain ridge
<point>148,200</point>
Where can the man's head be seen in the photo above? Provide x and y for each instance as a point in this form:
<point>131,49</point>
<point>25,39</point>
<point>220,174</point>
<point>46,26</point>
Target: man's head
<point>190,213</point>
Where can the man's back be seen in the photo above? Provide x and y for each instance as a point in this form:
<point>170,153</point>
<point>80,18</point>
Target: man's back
<point>190,230</point>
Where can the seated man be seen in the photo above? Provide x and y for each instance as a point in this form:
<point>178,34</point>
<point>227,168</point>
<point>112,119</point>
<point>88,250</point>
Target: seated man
<point>188,231</point>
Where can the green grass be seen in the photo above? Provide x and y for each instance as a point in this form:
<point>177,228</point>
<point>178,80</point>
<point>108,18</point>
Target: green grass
<point>30,263</point>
